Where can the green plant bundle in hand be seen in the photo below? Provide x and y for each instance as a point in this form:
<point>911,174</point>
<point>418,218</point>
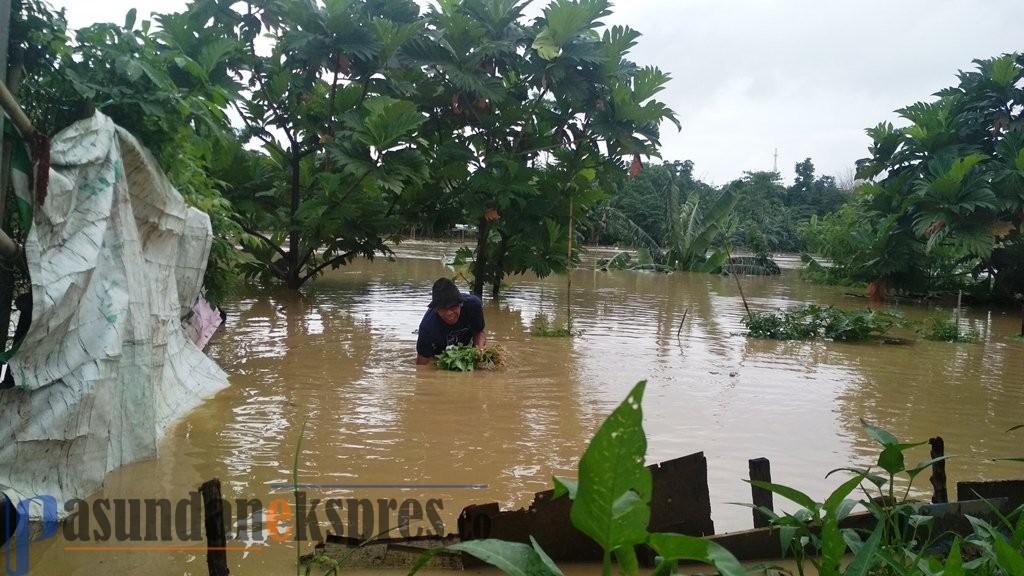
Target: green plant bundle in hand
<point>464,358</point>
<point>491,357</point>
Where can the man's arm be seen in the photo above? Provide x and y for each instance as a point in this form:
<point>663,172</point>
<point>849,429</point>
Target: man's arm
<point>421,360</point>
<point>480,340</point>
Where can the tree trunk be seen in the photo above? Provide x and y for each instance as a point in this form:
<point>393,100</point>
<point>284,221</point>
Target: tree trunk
<point>480,261</point>
<point>294,238</point>
<point>499,267</point>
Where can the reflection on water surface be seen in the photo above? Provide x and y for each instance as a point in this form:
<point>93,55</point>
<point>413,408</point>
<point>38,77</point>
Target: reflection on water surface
<point>340,358</point>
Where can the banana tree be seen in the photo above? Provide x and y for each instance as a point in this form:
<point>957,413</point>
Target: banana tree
<point>696,229</point>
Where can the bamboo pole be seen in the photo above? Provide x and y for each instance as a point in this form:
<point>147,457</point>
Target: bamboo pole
<point>10,249</point>
<point>5,31</point>
<point>959,298</point>
<point>568,273</point>
<point>10,106</point>
<point>681,322</point>
<point>732,270</point>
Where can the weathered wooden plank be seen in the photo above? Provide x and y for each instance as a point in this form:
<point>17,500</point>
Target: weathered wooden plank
<point>680,502</point>
<point>1012,490</point>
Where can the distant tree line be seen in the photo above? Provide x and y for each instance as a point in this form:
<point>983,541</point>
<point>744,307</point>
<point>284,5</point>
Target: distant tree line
<point>763,215</point>
<point>354,121</point>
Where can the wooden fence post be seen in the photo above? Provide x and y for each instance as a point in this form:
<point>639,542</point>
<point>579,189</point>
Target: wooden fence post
<point>938,477</point>
<point>761,469</point>
<point>216,539</point>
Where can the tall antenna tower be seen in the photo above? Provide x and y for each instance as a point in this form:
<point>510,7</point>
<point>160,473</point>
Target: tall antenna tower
<point>775,163</point>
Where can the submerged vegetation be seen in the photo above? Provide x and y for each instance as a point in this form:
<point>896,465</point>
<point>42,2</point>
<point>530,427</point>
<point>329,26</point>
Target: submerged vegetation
<point>943,327</point>
<point>831,323</point>
<point>544,327</point>
<point>813,321</point>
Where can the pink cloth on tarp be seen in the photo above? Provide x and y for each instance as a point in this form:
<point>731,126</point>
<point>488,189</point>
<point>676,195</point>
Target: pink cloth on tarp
<point>203,322</point>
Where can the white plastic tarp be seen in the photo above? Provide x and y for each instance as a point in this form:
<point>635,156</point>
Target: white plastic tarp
<point>116,259</point>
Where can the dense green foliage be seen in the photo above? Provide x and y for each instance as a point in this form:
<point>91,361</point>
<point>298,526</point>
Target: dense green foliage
<point>943,206</point>
<point>146,82</point>
<point>813,321</point>
<point>335,127</point>
<point>686,224</point>
<point>458,358</point>
<point>529,129</point>
<point>688,235</point>
<point>362,119</point>
<point>648,203</point>
<point>359,120</point>
<point>904,539</point>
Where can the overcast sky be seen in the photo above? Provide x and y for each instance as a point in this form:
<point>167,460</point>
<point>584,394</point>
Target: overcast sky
<point>803,77</point>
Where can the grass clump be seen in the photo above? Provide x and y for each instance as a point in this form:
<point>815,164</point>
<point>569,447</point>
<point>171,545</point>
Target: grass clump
<point>464,358</point>
<point>813,321</point>
<point>544,327</point>
<point>942,327</point>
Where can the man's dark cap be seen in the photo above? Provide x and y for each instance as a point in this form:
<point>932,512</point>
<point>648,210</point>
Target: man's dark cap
<point>445,294</point>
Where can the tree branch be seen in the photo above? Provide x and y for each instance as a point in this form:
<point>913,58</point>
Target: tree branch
<point>268,241</point>
<point>333,261</point>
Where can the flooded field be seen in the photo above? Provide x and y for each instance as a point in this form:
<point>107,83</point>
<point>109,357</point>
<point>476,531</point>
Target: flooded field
<point>340,357</point>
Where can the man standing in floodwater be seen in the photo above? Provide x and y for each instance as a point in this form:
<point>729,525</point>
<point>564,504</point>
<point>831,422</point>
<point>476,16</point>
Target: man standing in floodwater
<point>452,318</point>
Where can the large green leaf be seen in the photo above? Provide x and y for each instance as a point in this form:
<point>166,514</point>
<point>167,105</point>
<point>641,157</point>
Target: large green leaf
<point>833,545</point>
<point>1010,559</point>
<point>676,547</point>
<point>880,435</point>
<point>791,494</point>
<point>565,19</point>
<point>512,558</point>
<point>389,121</point>
<point>865,558</point>
<point>614,490</point>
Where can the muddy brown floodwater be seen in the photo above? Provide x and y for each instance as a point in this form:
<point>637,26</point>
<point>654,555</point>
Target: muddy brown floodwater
<point>340,358</point>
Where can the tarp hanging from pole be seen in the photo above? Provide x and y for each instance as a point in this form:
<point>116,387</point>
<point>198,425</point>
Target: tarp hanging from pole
<point>115,257</point>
